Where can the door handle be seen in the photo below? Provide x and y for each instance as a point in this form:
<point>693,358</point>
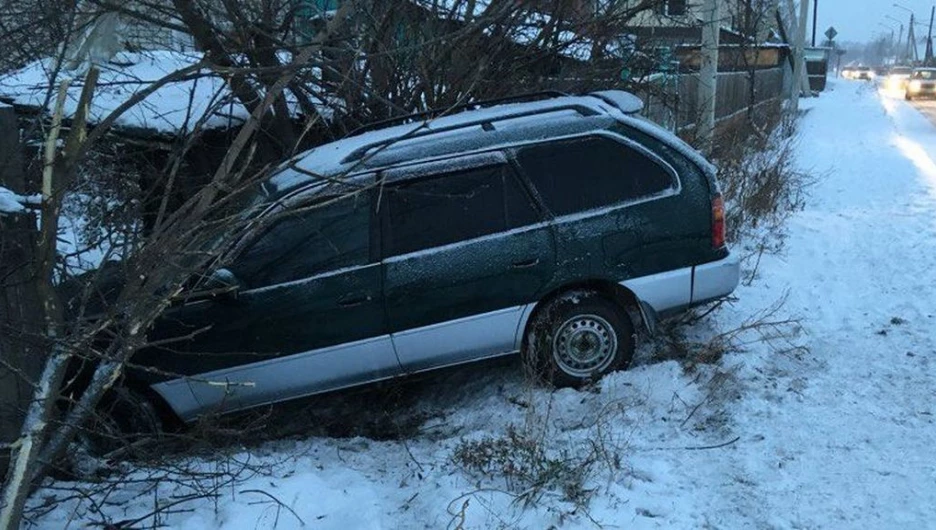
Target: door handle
<point>353,301</point>
<point>525,264</point>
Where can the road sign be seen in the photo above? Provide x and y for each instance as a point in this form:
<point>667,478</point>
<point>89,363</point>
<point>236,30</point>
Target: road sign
<point>831,33</point>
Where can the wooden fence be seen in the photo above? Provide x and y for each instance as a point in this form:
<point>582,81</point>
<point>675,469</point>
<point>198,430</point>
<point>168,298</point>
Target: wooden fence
<point>672,100</point>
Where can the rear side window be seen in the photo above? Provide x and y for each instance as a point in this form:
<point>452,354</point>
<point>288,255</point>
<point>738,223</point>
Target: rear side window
<point>439,210</point>
<point>587,173</point>
<point>314,238</point>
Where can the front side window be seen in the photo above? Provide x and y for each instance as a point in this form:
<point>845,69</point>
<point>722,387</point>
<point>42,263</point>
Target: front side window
<point>308,239</point>
<point>586,173</point>
<point>443,209</point>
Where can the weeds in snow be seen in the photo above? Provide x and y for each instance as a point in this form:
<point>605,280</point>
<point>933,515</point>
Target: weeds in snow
<point>527,467</point>
<point>761,184</point>
<point>779,334</point>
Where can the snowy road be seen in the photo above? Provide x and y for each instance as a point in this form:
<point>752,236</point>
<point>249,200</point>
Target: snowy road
<point>848,432</point>
<point>927,107</point>
<point>841,436</point>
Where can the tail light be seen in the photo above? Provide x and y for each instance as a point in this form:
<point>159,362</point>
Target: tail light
<point>718,222</point>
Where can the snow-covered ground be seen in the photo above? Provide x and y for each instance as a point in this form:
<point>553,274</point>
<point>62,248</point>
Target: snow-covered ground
<point>837,436</point>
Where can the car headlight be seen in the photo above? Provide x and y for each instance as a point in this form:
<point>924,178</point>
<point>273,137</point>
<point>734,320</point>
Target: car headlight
<point>915,85</point>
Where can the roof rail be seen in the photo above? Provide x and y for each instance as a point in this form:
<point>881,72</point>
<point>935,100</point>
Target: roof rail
<point>486,123</point>
<point>435,113</point>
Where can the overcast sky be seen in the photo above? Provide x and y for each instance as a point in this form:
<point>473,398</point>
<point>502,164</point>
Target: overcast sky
<point>859,20</point>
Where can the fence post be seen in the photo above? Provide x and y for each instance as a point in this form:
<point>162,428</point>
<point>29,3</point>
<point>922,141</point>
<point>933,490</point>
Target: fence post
<point>708,74</point>
<point>799,66</point>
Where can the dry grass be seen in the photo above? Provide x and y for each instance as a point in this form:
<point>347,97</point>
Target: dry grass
<point>760,181</point>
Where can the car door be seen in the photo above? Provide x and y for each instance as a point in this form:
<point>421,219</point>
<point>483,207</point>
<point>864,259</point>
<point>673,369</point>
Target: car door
<point>464,250</point>
<point>308,316</point>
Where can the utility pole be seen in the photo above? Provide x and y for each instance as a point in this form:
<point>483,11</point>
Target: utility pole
<point>900,38</point>
<point>928,58</point>
<point>911,40</point>
<point>815,20</point>
<point>799,66</point>
<point>708,74</point>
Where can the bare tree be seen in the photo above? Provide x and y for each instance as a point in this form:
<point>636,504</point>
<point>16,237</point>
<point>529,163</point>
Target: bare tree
<point>366,61</point>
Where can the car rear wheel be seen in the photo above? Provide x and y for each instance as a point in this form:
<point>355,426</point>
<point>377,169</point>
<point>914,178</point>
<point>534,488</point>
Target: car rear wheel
<point>578,338</point>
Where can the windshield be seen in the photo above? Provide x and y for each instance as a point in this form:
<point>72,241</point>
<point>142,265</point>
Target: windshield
<point>924,74</point>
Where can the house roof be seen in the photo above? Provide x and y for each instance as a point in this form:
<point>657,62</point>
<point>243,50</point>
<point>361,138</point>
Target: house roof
<point>678,35</point>
<point>174,108</point>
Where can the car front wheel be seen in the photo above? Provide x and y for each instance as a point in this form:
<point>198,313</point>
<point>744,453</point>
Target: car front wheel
<point>578,338</point>
<point>123,418</point>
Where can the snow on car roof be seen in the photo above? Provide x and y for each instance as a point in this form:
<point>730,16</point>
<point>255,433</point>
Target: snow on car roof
<point>329,159</point>
<point>332,160</point>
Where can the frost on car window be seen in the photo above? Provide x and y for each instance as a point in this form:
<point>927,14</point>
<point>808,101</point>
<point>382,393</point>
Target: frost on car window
<point>591,172</point>
<point>307,240</point>
<point>460,206</point>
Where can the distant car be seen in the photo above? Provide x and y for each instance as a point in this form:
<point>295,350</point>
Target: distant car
<point>848,72</point>
<point>899,77</point>
<point>922,84</point>
<point>864,73</point>
<point>552,227</point>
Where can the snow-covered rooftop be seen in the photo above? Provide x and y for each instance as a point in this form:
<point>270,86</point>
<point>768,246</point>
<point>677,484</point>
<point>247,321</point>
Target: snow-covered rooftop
<point>11,203</point>
<point>175,107</point>
<point>529,30</point>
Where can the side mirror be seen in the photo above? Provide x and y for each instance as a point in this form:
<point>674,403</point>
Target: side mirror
<point>222,279</point>
<point>220,285</point>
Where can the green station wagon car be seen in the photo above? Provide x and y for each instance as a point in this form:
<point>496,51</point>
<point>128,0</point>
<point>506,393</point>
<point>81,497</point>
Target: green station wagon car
<point>558,227</point>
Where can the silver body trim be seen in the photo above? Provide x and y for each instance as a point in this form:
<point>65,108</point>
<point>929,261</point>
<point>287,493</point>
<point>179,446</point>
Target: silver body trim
<point>716,279</point>
<point>283,378</point>
<point>458,341</point>
<point>665,290</point>
<point>426,348</point>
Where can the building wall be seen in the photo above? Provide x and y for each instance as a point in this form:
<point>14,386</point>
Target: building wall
<point>749,17</point>
<point>672,13</point>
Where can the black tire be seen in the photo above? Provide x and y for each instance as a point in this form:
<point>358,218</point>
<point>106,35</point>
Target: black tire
<point>908,97</point>
<point>578,338</point>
